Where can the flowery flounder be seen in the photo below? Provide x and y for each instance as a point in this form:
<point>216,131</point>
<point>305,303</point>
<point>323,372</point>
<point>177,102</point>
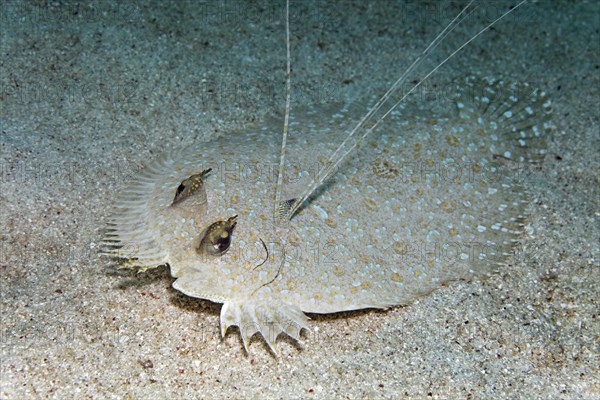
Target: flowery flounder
<point>421,202</point>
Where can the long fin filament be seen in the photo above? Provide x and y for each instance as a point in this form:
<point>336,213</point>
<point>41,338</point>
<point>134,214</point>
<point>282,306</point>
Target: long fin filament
<point>335,159</point>
<point>279,187</point>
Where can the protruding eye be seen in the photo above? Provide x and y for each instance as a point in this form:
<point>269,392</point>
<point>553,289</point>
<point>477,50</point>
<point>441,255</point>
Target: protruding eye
<point>190,188</point>
<point>217,237</point>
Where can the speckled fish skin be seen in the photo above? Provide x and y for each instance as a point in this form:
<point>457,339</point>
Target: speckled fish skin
<point>422,202</point>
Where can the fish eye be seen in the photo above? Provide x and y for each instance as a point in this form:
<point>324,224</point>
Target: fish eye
<point>194,185</point>
<point>216,238</point>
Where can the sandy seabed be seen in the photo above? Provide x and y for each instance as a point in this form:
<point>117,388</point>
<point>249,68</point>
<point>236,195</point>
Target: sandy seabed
<point>91,91</point>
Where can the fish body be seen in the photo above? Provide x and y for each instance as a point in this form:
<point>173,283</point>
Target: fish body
<point>424,200</point>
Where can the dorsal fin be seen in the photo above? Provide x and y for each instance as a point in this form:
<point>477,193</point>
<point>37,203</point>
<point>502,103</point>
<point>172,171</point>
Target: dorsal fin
<point>365,126</point>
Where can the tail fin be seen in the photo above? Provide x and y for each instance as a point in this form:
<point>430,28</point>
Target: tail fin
<point>513,121</point>
<point>516,115</point>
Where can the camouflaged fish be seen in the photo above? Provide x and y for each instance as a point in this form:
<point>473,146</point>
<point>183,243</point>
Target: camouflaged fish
<point>422,201</point>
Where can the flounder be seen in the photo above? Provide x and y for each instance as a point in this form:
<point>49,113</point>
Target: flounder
<point>422,201</point>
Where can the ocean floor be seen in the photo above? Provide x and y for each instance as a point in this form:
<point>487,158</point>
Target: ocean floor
<point>93,90</point>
